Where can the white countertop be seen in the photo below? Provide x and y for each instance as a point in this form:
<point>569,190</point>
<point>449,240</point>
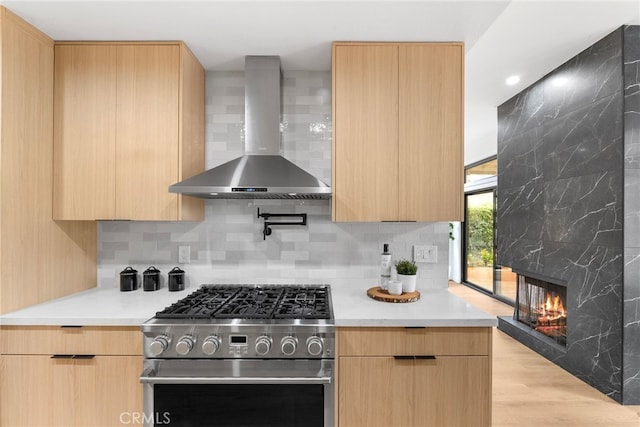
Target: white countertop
<point>351,305</point>
<point>97,307</point>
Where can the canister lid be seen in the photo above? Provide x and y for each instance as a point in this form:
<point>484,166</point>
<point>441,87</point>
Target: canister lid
<point>128,271</point>
<point>176,270</point>
<point>151,270</point>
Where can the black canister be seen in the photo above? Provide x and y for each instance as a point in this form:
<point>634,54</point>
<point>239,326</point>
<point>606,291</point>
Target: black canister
<point>151,279</point>
<point>128,279</point>
<point>176,280</point>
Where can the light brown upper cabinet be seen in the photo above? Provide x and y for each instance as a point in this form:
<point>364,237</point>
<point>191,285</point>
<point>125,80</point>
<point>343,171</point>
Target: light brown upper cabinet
<point>397,131</point>
<point>128,122</point>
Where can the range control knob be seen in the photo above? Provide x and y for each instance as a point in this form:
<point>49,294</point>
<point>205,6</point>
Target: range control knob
<point>210,345</point>
<point>288,345</point>
<point>263,345</point>
<point>159,345</point>
<point>184,345</point>
<point>314,346</point>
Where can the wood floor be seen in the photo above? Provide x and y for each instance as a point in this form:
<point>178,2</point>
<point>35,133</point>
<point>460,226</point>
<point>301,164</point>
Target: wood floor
<point>528,390</point>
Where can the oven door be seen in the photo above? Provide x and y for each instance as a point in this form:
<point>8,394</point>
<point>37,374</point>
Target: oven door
<point>238,392</point>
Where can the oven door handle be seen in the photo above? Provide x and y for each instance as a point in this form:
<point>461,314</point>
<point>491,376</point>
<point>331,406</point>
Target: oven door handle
<point>148,376</point>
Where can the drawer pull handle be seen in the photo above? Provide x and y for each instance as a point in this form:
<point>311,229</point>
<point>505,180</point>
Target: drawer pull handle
<point>73,356</point>
<point>426,357</point>
<point>415,327</point>
<point>71,326</point>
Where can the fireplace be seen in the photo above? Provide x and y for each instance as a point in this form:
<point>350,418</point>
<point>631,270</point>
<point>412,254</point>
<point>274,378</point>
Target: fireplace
<point>541,306</point>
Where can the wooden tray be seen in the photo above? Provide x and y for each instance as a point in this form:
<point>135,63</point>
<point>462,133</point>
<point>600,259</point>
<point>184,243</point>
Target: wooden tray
<point>378,294</point>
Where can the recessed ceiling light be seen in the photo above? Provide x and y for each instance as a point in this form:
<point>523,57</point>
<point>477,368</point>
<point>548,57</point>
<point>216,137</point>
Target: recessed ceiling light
<point>512,80</point>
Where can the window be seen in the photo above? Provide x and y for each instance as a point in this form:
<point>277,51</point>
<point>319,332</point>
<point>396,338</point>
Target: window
<point>485,169</point>
<point>479,264</point>
<point>479,220</point>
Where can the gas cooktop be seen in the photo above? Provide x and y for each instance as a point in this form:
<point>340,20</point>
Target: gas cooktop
<point>244,321</point>
<point>252,302</point>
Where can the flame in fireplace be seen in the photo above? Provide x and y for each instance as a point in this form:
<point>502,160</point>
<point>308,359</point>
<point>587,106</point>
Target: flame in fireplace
<point>552,317</point>
<point>553,307</point>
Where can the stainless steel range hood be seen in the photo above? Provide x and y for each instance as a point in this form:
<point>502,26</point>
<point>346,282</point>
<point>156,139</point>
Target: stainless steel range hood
<point>262,173</point>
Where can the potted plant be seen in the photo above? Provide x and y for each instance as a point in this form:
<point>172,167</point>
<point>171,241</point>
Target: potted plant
<point>407,274</point>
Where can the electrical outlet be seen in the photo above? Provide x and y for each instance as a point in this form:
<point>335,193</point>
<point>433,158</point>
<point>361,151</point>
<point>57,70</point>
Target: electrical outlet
<point>425,253</point>
<point>184,254</point>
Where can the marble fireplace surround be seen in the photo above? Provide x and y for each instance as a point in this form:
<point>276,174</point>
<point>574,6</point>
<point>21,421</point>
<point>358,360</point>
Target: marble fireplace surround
<point>569,208</point>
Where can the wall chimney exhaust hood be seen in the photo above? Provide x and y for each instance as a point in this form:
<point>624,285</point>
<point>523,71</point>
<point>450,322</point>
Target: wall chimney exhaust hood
<point>262,173</point>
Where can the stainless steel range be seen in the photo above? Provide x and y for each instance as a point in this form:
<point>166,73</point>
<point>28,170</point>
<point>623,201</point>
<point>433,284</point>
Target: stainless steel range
<point>250,355</point>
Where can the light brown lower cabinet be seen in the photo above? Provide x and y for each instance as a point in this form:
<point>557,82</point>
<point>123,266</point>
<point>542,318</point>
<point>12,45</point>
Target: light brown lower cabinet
<point>45,391</point>
<point>70,389</point>
<point>427,378</point>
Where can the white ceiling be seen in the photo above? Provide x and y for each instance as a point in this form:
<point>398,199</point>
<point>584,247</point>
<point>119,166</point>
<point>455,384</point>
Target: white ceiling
<point>524,37</point>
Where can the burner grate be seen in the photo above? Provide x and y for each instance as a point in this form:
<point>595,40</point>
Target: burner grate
<point>201,304</point>
<point>303,303</point>
<point>252,302</point>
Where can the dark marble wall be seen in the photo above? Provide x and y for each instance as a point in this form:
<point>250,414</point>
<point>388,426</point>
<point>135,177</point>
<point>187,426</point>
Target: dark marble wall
<point>631,331</point>
<point>560,201</point>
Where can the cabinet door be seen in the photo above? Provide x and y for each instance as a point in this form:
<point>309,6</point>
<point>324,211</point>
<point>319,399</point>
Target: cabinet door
<point>452,391</point>
<point>375,392</point>
<point>431,132</point>
<point>36,391</point>
<point>147,132</point>
<point>191,154</point>
<point>107,390</point>
<point>44,391</point>
<point>446,391</point>
<point>365,133</point>
<point>84,132</point>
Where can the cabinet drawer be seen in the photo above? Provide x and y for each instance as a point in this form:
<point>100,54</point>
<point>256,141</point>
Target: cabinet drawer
<point>414,341</point>
<point>70,340</point>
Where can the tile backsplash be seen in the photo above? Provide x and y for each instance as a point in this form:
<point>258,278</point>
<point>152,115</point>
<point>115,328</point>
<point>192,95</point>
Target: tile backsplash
<point>228,246</point>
